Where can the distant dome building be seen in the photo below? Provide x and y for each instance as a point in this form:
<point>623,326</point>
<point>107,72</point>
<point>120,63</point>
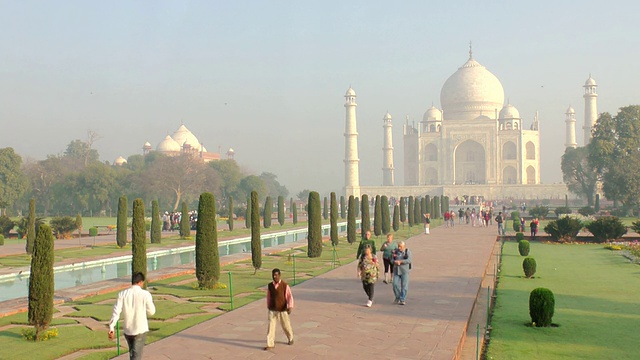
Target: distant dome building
<point>180,142</point>
<point>120,161</point>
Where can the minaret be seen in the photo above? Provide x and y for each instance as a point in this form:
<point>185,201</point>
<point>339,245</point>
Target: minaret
<point>590,108</point>
<point>387,153</point>
<point>351,173</point>
<point>570,120</point>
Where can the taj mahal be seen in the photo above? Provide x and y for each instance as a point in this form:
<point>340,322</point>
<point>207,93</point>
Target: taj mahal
<point>475,144</point>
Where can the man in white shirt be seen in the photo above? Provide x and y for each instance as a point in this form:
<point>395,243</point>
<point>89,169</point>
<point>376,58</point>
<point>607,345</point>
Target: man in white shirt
<point>135,303</point>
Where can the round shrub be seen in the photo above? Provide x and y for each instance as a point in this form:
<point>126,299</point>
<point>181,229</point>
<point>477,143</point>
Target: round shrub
<point>565,229</point>
<point>541,307</point>
<point>562,210</point>
<point>519,236</point>
<point>524,247</point>
<point>607,228</point>
<point>93,231</point>
<point>529,267</point>
<point>586,211</point>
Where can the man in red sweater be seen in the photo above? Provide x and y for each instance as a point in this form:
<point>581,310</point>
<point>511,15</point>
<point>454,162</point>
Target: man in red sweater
<point>280,304</point>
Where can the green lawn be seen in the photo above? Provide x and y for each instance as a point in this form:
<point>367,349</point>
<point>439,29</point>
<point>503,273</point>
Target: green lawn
<point>597,313</point>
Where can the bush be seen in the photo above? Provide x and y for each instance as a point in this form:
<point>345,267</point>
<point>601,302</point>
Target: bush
<point>562,210</point>
<point>541,307</point>
<point>138,239</point>
<point>121,232</point>
<point>539,211</point>
<point>207,257</point>
<point>314,232</point>
<point>524,247</point>
<point>41,282</point>
<point>63,226</point>
<point>529,267</point>
<point>607,228</point>
<point>93,231</point>
<point>635,226</point>
<point>564,229</point>
<point>519,236</point>
<point>1,240</point>
<point>351,220</point>
<point>586,211</point>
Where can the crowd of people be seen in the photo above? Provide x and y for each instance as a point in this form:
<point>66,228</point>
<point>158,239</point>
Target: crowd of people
<point>171,220</point>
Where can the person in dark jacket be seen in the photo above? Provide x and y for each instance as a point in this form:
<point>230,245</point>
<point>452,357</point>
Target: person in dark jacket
<point>280,304</point>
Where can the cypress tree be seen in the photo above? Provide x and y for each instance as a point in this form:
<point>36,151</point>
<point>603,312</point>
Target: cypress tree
<point>41,283</point>
<point>121,232</point>
<point>410,212</point>
<point>256,243</point>
<point>314,248</point>
<point>78,222</point>
<point>31,226</point>
<point>156,223</point>
<point>247,214</point>
<point>230,214</point>
<point>281,210</point>
<point>294,210</point>
<point>377,217</point>
<point>185,225</point>
<point>357,206</point>
<point>566,200</point>
<point>366,218</point>
<point>343,209</point>
<point>325,209</point>
<point>207,256</point>
<point>386,220</point>
<point>445,204</point>
<point>436,207</point>
<point>291,205</point>
<point>333,216</point>
<point>596,207</point>
<point>403,210</point>
<point>268,211</point>
<point>428,202</point>
<point>138,239</point>
<point>417,211</point>
<point>351,220</point>
<point>396,217</point>
<point>423,205</point>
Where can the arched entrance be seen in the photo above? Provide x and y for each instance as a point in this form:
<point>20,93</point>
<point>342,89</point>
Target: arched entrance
<point>509,175</point>
<point>470,165</point>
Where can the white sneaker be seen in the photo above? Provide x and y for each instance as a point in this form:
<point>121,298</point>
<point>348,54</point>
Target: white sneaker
<point>369,302</point>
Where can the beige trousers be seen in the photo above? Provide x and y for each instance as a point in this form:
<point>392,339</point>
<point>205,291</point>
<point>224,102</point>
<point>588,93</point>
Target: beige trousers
<point>283,318</point>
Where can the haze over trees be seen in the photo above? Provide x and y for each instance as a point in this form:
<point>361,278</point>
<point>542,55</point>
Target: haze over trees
<point>77,182</point>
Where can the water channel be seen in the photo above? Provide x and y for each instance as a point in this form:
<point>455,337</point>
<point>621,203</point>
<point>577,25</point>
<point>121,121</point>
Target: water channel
<point>13,286</point>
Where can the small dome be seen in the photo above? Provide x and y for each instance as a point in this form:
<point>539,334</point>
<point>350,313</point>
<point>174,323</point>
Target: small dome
<point>432,114</point>
<point>183,136</point>
<point>230,151</point>
<point>168,145</point>
<point>509,112</point>
<point>387,116</point>
<point>570,110</point>
<point>147,145</point>
<point>350,92</point>
<point>120,161</point>
<point>590,81</point>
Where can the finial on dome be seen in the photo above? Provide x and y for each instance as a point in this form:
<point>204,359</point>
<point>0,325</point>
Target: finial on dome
<point>470,50</point>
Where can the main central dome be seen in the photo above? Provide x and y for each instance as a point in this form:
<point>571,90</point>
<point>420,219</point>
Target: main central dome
<point>470,92</point>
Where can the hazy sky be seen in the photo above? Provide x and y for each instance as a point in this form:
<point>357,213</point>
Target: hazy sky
<point>268,77</point>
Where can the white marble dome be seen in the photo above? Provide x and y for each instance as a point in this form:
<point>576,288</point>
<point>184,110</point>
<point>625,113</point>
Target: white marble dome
<point>570,110</point>
<point>168,145</point>
<point>184,136</point>
<point>120,161</point>
<point>509,112</point>
<point>471,91</point>
<point>387,116</point>
<point>590,81</point>
<point>432,114</point>
<point>350,92</point>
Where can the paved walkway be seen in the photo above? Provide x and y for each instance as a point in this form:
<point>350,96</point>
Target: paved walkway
<point>330,320</point>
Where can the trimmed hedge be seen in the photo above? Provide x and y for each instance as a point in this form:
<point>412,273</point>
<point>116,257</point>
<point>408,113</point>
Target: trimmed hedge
<point>524,247</point>
<point>564,229</point>
<point>519,236</point>
<point>607,228</point>
<point>541,307</point>
<point>529,267</point>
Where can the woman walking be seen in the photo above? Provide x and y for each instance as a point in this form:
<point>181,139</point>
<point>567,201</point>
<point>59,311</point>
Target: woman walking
<point>427,223</point>
<point>368,272</point>
<point>387,258</point>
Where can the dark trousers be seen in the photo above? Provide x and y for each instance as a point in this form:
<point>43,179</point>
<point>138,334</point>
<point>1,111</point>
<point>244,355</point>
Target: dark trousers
<point>136,344</point>
<point>388,265</point>
<point>368,289</point>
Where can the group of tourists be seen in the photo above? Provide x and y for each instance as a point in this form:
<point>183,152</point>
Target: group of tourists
<point>171,220</point>
<point>397,263</point>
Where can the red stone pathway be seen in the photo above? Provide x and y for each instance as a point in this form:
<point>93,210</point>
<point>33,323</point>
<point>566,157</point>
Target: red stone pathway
<point>330,320</point>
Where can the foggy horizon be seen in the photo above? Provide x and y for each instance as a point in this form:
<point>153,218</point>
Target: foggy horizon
<point>268,79</point>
